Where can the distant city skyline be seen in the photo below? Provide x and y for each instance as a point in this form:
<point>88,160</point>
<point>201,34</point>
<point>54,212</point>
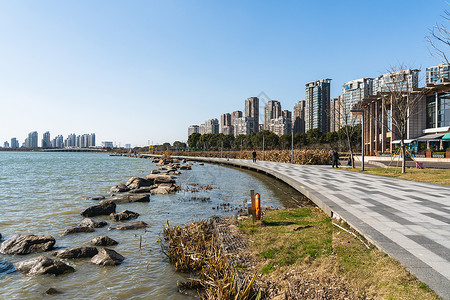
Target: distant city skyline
<point>140,73</point>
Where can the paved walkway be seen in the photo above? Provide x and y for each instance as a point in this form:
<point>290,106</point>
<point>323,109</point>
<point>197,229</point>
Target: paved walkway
<point>408,220</point>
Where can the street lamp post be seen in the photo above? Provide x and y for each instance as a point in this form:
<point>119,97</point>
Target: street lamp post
<point>263,147</point>
<point>362,135</point>
<point>292,145</point>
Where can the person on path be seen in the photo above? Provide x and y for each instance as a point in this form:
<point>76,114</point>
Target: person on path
<point>335,159</point>
<point>254,156</point>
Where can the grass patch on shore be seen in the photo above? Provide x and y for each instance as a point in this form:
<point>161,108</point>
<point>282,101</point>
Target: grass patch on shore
<point>308,257</point>
<point>438,176</point>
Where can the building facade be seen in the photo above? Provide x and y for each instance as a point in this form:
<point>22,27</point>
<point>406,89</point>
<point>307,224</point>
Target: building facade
<point>272,110</point>
<point>243,125</point>
<point>14,143</point>
<point>252,111</point>
<point>46,143</point>
<point>281,125</point>
<point>299,117</point>
<point>193,129</point>
<point>32,140</point>
<point>317,105</point>
<point>335,114</point>
<point>212,126</point>
<point>226,127</point>
<point>403,80</point>
<point>353,92</point>
<point>438,73</point>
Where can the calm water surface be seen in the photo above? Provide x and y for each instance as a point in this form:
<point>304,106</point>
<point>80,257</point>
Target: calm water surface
<point>42,193</point>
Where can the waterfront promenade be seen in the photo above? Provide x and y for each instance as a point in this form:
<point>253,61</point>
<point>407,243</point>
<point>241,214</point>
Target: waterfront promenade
<point>408,220</point>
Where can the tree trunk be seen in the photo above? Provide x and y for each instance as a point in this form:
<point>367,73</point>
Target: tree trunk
<point>402,145</point>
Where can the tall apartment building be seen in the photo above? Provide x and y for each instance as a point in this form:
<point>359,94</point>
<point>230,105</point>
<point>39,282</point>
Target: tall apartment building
<point>335,114</point>
<point>272,110</point>
<point>226,127</point>
<point>6,144</point>
<point>438,73</point>
<point>14,143</point>
<point>91,140</point>
<point>317,105</point>
<point>193,129</point>
<point>353,92</point>
<point>32,140</point>
<point>211,126</point>
<point>57,142</point>
<point>46,143</point>
<point>252,111</point>
<point>299,117</point>
<point>399,80</point>
<point>243,125</point>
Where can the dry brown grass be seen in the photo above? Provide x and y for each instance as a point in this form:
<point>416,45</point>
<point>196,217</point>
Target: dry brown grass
<point>438,176</point>
<point>323,261</point>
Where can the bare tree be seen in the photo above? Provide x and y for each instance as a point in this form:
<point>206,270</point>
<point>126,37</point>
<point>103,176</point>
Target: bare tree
<point>402,100</point>
<point>347,126</point>
<point>439,39</point>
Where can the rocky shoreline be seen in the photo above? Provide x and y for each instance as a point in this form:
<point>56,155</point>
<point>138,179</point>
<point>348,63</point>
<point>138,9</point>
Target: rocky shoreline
<point>160,181</point>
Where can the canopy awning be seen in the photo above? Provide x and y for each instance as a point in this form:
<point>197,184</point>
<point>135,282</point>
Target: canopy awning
<point>431,137</point>
<point>406,141</point>
<point>446,136</point>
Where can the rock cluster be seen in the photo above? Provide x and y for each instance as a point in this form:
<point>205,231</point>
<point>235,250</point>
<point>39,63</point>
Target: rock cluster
<point>26,244</point>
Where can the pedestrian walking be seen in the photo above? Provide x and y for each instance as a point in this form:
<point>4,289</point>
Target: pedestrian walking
<point>254,156</point>
<point>335,159</point>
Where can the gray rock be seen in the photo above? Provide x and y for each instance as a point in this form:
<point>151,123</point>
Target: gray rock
<point>78,252</point>
<point>6,267</point>
<point>155,172</point>
<point>120,188</point>
<point>95,198</point>
<point>123,215</point>
<point>26,244</point>
<point>200,164</point>
<point>157,178</point>
<point>53,291</point>
<point>136,182</point>
<point>140,190</point>
<point>93,223</point>
<point>43,265</point>
<point>130,226</point>
<point>129,198</point>
<point>78,229</point>
<point>185,168</point>
<point>104,208</point>
<point>103,240</point>
<point>107,257</point>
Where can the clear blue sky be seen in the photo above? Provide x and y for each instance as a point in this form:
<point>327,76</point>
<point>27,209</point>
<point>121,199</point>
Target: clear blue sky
<point>133,71</point>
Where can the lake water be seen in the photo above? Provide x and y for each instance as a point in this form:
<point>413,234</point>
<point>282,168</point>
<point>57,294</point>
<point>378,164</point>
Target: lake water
<point>43,193</point>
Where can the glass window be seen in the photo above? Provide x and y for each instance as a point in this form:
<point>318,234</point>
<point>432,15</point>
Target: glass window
<point>444,110</point>
<point>431,111</point>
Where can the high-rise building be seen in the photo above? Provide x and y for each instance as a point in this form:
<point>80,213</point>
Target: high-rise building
<point>281,125</point>
<point>46,143</point>
<point>353,92</point>
<point>58,142</point>
<point>14,143</point>
<point>317,105</point>
<point>252,111</point>
<point>335,114</point>
<point>395,81</point>
<point>211,126</point>
<point>32,140</point>
<point>272,110</point>
<point>192,129</point>
<point>202,129</point>
<point>91,140</point>
<point>439,73</point>
<point>243,125</point>
<point>299,117</point>
<point>6,144</point>
<point>226,127</point>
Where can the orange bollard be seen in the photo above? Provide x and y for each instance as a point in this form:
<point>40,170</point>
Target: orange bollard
<point>258,207</point>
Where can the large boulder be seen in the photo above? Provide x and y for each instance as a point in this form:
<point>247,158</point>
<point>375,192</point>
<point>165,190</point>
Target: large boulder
<point>107,257</point>
<point>157,178</point>
<point>26,244</point>
<point>165,188</point>
<point>186,168</point>
<point>156,171</point>
<point>93,223</point>
<point>129,198</point>
<point>104,208</point>
<point>123,215</point>
<point>120,188</point>
<point>78,252</point>
<point>43,265</point>
<point>136,182</point>
<point>78,229</point>
<point>103,240</point>
<point>130,226</point>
